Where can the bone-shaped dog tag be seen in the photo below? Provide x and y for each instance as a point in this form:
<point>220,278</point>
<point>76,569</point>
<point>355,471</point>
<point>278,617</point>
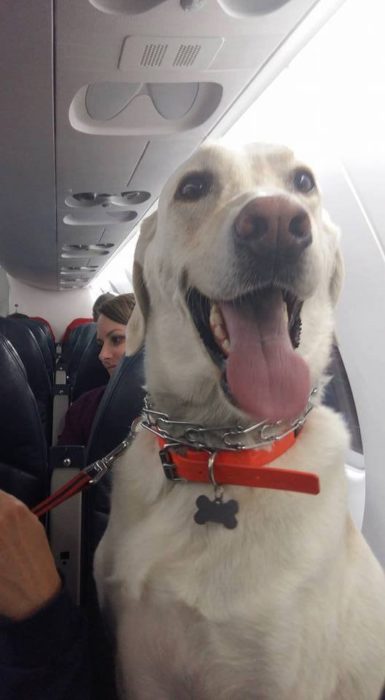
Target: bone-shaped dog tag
<point>216,511</point>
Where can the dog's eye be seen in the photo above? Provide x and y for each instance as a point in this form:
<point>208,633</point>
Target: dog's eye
<point>304,181</point>
<point>194,186</point>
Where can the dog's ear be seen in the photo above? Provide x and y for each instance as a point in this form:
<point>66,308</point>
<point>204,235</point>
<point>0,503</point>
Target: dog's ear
<point>136,326</point>
<point>337,277</point>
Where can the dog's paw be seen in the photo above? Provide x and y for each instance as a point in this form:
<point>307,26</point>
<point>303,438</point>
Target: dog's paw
<point>216,511</point>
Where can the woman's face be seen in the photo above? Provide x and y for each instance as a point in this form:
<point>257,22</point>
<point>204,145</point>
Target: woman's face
<point>111,338</point>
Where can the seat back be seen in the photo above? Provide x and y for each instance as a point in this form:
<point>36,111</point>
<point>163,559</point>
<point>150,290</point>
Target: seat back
<point>83,336</point>
<point>45,324</point>
<point>31,356</point>
<point>23,450</point>
<point>91,372</point>
<point>121,403</point>
<point>44,344</point>
<point>71,326</point>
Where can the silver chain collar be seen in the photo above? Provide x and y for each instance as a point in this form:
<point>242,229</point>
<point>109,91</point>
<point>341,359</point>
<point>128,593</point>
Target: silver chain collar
<point>226,437</point>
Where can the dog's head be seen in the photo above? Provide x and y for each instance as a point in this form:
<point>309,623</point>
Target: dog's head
<point>235,278</point>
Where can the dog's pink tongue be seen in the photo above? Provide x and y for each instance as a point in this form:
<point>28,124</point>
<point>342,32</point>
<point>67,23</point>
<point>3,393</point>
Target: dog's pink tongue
<point>266,377</point>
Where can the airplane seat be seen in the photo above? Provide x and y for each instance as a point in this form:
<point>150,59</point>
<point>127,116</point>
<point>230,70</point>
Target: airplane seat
<point>83,336</point>
<point>27,347</point>
<point>90,373</point>
<point>71,327</point>
<point>338,395</point>
<point>43,342</point>
<point>121,403</point>
<point>24,468</point>
<point>70,342</point>
<point>44,325</point>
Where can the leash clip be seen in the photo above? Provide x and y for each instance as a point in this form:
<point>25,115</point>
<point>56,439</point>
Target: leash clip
<point>100,467</point>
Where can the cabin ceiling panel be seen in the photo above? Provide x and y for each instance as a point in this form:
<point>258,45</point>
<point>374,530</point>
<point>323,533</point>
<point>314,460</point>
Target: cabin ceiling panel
<point>138,85</point>
<point>27,193</point>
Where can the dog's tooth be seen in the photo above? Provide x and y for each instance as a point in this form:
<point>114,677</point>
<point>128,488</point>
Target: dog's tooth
<point>216,320</point>
<point>220,332</point>
<point>226,346</point>
<point>214,309</point>
<point>215,316</point>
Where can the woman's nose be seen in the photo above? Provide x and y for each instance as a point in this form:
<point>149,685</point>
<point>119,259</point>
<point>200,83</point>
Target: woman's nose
<point>103,353</point>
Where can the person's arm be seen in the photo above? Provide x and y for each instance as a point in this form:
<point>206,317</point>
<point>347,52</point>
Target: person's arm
<point>43,635</point>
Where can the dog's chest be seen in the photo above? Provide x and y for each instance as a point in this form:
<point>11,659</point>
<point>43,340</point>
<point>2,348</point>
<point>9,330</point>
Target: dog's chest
<point>243,595</point>
<point>153,540</point>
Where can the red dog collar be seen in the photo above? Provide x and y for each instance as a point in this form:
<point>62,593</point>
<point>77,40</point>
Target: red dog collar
<point>242,468</point>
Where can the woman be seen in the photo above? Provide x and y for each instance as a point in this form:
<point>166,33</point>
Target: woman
<point>113,316</point>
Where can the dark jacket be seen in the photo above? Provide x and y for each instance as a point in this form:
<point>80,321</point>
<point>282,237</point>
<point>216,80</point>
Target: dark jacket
<point>79,418</point>
<point>46,656</point>
<point>57,654</point>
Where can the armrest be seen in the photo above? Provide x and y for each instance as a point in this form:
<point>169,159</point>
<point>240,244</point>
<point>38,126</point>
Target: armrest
<point>65,521</point>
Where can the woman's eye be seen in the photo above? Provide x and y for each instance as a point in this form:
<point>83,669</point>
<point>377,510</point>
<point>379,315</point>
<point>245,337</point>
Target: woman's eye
<point>118,339</point>
<point>194,186</point>
<point>304,181</point>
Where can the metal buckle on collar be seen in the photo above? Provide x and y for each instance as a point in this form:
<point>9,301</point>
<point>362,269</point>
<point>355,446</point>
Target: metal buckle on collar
<point>168,465</point>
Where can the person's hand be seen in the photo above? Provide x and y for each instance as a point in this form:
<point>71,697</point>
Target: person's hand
<point>28,576</point>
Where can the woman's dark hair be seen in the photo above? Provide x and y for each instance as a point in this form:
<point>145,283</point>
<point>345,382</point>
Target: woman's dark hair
<point>119,308</point>
<point>101,299</point>
<point>17,314</point>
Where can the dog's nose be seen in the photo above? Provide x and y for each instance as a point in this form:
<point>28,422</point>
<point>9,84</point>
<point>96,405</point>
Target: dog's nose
<point>273,222</point>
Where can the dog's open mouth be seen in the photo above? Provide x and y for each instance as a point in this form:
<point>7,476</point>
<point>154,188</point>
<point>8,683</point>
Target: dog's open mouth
<point>252,339</point>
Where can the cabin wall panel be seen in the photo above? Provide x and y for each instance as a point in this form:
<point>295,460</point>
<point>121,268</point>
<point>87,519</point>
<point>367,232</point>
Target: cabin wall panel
<point>57,307</point>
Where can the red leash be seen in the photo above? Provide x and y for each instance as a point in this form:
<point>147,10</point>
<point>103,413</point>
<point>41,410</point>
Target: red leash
<point>87,477</point>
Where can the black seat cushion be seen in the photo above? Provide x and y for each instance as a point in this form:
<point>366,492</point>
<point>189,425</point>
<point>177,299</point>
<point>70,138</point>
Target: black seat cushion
<point>44,344</point>
<point>23,449</point>
<point>121,403</point>
<point>90,373</point>
<point>27,347</point>
<point>83,336</point>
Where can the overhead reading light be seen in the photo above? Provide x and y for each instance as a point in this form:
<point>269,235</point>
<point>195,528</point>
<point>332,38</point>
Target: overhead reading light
<point>83,254</point>
<point>94,199</point>
<point>66,274</point>
<point>122,108</point>
<point>125,6</point>
<point>88,199</point>
<point>105,100</point>
<point>78,268</point>
<point>134,197</point>
<point>248,8</point>
<point>83,250</point>
<point>74,279</point>
<point>87,246</point>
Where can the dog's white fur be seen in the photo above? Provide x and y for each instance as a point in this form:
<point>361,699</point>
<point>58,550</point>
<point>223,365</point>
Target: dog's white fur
<point>291,604</point>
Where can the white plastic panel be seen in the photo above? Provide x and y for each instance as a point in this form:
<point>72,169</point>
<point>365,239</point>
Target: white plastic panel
<point>250,8</point>
<point>149,109</point>
<point>125,6</point>
<point>169,53</point>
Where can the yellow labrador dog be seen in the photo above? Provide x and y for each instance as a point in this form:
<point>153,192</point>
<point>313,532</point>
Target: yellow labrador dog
<point>223,572</point>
